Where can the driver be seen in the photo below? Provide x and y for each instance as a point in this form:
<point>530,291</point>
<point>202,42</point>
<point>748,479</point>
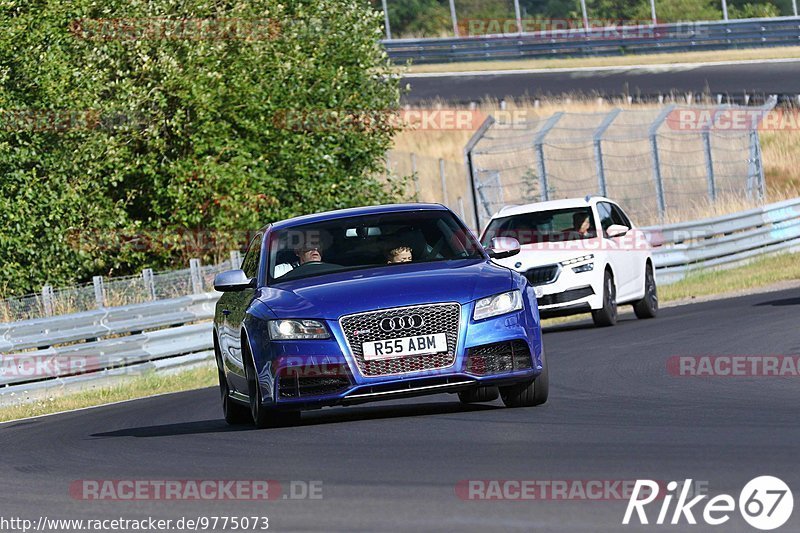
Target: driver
<point>306,254</point>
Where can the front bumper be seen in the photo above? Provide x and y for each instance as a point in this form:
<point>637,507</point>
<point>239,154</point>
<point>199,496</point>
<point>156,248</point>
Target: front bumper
<point>571,292</point>
<point>311,374</point>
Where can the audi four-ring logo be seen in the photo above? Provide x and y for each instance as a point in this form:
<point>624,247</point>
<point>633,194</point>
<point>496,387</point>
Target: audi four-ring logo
<point>401,322</point>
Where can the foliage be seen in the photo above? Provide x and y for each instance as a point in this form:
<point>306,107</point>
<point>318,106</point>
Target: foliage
<point>170,121</point>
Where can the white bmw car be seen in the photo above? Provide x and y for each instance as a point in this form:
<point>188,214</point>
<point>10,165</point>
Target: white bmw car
<point>581,255</point>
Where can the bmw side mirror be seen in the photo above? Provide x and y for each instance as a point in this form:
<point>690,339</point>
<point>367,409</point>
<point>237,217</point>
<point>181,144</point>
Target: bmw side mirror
<point>503,247</point>
<point>617,230</point>
<point>233,280</point>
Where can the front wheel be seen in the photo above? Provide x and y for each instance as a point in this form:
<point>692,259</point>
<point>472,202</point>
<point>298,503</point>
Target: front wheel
<point>607,315</point>
<point>235,413</point>
<point>528,394</point>
<point>647,307</point>
<point>261,416</point>
<point>479,395</point>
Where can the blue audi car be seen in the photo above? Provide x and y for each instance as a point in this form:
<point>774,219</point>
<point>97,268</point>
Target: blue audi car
<point>373,303</point>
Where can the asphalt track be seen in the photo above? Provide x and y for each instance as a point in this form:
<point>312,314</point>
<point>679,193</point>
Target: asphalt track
<point>615,413</point>
<point>753,78</point>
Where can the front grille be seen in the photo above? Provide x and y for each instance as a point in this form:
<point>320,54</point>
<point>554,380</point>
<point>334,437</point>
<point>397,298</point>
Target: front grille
<point>566,296</point>
<point>542,275</point>
<point>498,358</point>
<point>365,327</point>
<point>292,385</point>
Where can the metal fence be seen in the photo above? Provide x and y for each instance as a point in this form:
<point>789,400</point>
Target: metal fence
<point>678,37</point>
<point>104,293</point>
<point>656,162</point>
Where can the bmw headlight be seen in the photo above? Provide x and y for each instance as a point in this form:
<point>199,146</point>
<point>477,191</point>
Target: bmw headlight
<point>499,304</point>
<point>283,330</point>
<point>588,267</point>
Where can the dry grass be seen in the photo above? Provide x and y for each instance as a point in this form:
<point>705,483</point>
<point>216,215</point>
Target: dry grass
<point>746,54</point>
<point>781,154</point>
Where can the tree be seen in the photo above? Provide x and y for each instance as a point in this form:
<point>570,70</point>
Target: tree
<point>183,127</point>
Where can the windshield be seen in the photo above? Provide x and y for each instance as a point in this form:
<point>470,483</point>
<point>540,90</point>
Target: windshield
<point>383,240</point>
<point>544,226</point>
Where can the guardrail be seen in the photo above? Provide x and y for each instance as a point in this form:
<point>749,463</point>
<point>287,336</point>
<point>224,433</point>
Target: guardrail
<point>82,349</point>
<point>725,241</point>
<point>36,352</point>
<point>713,35</point>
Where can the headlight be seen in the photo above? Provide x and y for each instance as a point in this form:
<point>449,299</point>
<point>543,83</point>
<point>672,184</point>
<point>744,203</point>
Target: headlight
<point>282,330</point>
<point>580,259</point>
<point>498,304</point>
<point>588,267</point>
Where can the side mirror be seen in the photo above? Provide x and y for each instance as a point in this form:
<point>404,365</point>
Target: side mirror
<point>617,230</point>
<point>233,280</point>
<point>503,247</point>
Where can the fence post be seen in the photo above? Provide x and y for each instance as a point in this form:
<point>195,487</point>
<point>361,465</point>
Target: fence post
<point>755,177</point>
<point>454,17</point>
<point>414,175</point>
<point>653,131</point>
<point>47,300</point>
<point>444,181</point>
<point>712,185</point>
<point>386,21</point>
<point>236,259</point>
<point>149,282</point>
<point>197,276</point>
<point>598,150</point>
<point>99,291</point>
<point>538,143</point>
<point>469,162</point>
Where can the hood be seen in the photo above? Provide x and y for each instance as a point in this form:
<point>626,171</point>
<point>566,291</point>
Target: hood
<point>330,296</point>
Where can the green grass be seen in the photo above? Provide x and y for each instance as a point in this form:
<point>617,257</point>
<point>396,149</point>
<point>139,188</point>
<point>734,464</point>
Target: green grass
<point>129,389</point>
<point>758,274</point>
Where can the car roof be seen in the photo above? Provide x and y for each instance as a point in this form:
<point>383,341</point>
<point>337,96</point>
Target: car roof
<point>566,203</point>
<point>356,211</point>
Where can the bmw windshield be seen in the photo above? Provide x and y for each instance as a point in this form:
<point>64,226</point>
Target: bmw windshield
<point>385,240</point>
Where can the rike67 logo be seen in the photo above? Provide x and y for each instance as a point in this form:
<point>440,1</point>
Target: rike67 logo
<point>765,503</point>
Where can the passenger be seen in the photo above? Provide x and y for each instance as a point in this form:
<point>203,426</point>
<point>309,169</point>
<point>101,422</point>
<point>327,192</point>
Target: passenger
<point>401,254</point>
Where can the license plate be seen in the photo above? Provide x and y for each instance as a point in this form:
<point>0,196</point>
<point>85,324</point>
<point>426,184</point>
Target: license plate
<point>405,346</point>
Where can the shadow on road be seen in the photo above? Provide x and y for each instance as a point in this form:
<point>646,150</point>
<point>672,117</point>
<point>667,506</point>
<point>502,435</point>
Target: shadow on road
<point>781,302</point>
<point>309,418</point>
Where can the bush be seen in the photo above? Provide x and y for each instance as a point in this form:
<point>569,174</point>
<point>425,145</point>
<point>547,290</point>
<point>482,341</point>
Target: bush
<point>167,123</point>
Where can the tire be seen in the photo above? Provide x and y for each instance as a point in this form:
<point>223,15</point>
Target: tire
<point>647,307</point>
<point>479,395</point>
<point>235,414</point>
<point>528,394</point>
<point>260,415</point>
<point>607,315</point>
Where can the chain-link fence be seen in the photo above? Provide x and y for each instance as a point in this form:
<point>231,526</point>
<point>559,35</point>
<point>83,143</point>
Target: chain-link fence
<point>659,163</point>
<point>113,292</point>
